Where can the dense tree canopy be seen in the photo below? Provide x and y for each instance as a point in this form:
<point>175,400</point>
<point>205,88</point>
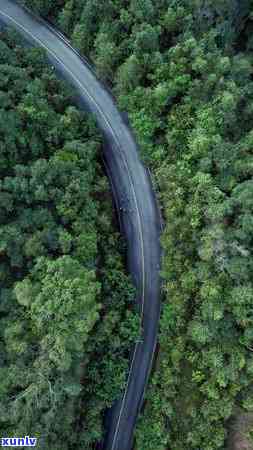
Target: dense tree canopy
<point>66,315</point>
<point>183,71</point>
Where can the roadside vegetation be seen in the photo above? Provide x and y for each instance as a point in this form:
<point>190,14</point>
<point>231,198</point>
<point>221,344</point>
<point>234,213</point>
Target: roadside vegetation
<point>183,71</point>
<point>67,318</point>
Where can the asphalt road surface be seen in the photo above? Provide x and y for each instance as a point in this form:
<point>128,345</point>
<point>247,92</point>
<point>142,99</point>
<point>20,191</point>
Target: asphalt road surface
<point>134,199</point>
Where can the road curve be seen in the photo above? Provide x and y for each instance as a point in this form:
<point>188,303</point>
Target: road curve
<point>135,200</point>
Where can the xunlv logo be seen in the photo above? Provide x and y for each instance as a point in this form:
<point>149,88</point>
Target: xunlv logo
<point>18,442</point>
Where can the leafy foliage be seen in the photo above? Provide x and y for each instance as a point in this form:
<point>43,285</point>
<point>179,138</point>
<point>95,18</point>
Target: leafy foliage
<point>183,72</point>
<point>67,321</point>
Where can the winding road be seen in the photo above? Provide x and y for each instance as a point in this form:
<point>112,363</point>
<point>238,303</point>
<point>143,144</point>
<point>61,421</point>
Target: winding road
<point>134,199</point>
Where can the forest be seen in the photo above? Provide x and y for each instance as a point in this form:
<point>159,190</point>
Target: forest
<point>183,72</point>
<point>62,262</point>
